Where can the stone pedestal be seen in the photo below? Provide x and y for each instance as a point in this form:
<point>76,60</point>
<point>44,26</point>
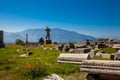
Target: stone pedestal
<point>47,42</point>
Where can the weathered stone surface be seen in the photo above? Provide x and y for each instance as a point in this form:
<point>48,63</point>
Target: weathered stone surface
<point>92,76</point>
<point>65,49</point>
<point>117,56</point>
<point>81,50</point>
<point>106,56</point>
<point>60,46</point>
<point>1,39</point>
<point>112,56</point>
<point>80,45</point>
<point>116,41</point>
<point>101,45</point>
<point>116,46</point>
<point>118,51</point>
<point>69,45</point>
<point>72,58</point>
<point>98,54</point>
<point>23,55</point>
<point>1,36</point>
<point>101,67</point>
<point>53,77</point>
<point>2,45</point>
<point>109,77</point>
<point>71,50</point>
<point>92,53</point>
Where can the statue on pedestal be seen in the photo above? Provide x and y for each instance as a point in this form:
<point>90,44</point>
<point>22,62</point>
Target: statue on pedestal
<point>47,33</point>
<point>47,41</point>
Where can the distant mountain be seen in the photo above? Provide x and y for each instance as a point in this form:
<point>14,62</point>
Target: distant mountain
<point>58,35</point>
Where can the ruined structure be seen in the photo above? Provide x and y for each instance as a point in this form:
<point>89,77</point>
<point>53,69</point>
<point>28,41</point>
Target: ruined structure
<point>101,69</point>
<point>1,39</point>
<point>81,50</point>
<point>26,39</point>
<point>72,58</point>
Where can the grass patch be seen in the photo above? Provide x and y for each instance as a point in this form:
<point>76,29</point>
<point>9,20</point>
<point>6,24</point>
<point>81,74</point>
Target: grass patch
<point>66,68</point>
<point>11,64</point>
<point>109,50</point>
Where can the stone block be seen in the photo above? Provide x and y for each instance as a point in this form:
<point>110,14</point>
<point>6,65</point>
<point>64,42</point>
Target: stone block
<point>81,50</point>
<point>106,56</point>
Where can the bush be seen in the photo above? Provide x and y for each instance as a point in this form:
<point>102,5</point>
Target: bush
<point>33,70</point>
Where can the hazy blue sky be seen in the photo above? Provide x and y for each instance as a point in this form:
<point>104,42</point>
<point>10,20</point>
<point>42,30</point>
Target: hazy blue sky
<point>99,18</point>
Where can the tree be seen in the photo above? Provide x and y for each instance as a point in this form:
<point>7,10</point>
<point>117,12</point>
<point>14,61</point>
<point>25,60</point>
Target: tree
<point>19,42</point>
<point>41,41</point>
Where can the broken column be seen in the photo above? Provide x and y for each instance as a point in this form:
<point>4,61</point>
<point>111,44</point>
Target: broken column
<point>105,69</point>
<point>72,58</point>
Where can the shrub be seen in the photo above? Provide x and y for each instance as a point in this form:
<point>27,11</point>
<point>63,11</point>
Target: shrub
<point>33,70</point>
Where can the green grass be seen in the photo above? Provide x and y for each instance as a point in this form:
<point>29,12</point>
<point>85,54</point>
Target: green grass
<point>11,64</point>
<point>109,50</point>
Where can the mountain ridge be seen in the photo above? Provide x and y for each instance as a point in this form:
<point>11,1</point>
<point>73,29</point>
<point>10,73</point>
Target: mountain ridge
<point>57,35</point>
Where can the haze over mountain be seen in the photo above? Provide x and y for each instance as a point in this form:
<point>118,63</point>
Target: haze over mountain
<point>58,35</point>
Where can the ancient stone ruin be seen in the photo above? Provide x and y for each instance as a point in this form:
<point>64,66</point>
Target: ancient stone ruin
<point>72,58</point>
<point>1,39</point>
<point>101,69</point>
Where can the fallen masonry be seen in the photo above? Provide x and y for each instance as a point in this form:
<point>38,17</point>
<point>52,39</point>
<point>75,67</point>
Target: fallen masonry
<point>101,69</point>
<point>53,77</point>
<point>81,50</point>
<point>72,58</point>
